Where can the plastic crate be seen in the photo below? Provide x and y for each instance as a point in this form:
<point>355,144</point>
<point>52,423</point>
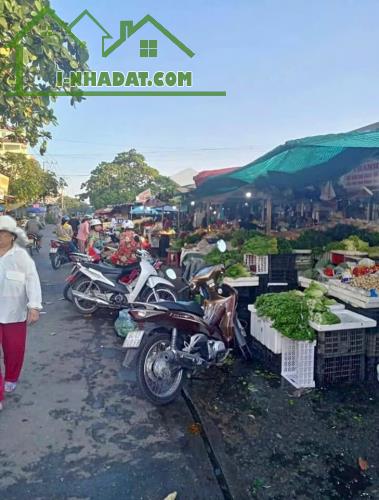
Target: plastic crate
<point>372,334</point>
<point>340,369</point>
<point>284,275</point>
<point>272,362</point>
<point>258,264</point>
<point>372,344</point>
<point>372,363</point>
<point>261,329</point>
<point>342,342</point>
<point>282,261</point>
<point>298,362</point>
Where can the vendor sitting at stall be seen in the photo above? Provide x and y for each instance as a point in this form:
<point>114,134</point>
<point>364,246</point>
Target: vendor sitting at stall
<point>126,252</point>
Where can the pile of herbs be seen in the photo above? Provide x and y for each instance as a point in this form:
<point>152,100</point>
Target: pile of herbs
<point>232,260</point>
<point>289,314</point>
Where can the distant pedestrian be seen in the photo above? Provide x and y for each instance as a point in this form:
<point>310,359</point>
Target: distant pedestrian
<point>20,299</point>
<point>65,233</point>
<point>74,223</point>
<point>83,234</point>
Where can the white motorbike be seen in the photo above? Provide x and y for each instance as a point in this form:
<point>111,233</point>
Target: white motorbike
<point>94,290</point>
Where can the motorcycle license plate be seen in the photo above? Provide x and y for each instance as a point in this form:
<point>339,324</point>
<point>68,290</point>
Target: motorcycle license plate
<point>133,339</point>
<point>53,250</point>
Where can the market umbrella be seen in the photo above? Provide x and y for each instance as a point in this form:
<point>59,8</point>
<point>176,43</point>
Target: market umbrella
<point>299,163</point>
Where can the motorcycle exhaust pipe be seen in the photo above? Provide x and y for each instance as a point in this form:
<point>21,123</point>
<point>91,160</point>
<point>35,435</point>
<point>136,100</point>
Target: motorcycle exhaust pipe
<point>184,359</point>
<point>83,296</point>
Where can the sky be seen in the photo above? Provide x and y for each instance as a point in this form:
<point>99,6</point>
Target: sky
<point>290,68</point>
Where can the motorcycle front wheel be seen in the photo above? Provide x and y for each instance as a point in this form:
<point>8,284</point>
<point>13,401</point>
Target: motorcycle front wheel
<point>67,292</point>
<point>56,260</point>
<point>88,287</point>
<point>156,379</point>
<point>159,294</point>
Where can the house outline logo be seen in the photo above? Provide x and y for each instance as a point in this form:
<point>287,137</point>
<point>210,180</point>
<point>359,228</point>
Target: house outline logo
<point>127,30</point>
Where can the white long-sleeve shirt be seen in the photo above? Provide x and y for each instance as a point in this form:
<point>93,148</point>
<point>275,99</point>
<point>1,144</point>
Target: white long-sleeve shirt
<point>20,288</point>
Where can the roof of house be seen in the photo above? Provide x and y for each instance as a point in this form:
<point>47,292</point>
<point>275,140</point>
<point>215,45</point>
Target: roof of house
<point>184,177</point>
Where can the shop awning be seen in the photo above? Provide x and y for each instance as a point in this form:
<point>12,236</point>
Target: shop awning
<point>299,163</point>
<point>206,174</point>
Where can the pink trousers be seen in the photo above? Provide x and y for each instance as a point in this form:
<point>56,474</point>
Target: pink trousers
<point>12,340</point>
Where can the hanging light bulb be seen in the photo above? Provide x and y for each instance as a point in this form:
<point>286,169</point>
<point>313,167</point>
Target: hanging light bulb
<point>248,194</point>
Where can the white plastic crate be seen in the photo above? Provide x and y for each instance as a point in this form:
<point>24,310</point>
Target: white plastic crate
<point>261,329</point>
<point>259,262</point>
<point>298,358</point>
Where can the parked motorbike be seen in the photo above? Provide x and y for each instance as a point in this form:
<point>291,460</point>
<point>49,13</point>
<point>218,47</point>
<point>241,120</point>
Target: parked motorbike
<point>60,253</point>
<point>127,274</point>
<point>96,290</point>
<point>172,339</point>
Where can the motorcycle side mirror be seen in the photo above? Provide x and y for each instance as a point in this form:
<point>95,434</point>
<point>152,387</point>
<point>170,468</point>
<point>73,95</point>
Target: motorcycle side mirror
<point>170,273</point>
<point>221,246</point>
<point>137,239</point>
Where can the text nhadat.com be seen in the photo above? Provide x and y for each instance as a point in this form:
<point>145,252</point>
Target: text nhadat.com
<point>120,79</point>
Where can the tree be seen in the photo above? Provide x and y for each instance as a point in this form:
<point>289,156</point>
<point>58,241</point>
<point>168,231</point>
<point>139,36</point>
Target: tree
<point>121,180</point>
<point>46,49</point>
<point>28,181</point>
<point>74,205</point>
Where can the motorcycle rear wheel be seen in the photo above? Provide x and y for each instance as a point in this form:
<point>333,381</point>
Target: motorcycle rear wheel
<point>154,378</point>
<point>85,285</point>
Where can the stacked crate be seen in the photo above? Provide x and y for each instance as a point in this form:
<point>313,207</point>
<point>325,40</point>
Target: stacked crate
<point>372,342</point>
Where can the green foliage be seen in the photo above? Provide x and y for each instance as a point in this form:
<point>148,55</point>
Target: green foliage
<point>192,239</point>
<point>331,238</point>
<point>227,258</point>
<point>28,181</point>
<point>121,180</point>
<point>74,205</point>
<point>176,244</point>
<point>43,54</point>
<point>284,246</point>
<point>260,245</point>
<point>240,236</point>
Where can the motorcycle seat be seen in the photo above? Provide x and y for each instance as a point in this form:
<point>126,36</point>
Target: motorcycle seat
<point>189,307</point>
<point>102,268</point>
<point>112,270</point>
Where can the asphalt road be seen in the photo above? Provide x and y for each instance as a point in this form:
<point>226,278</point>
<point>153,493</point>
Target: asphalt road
<point>76,429</point>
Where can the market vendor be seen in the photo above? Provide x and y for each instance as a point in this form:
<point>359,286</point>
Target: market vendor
<point>126,252</point>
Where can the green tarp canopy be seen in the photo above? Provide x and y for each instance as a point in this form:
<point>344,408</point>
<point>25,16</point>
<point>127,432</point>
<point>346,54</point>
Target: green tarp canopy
<point>299,163</point>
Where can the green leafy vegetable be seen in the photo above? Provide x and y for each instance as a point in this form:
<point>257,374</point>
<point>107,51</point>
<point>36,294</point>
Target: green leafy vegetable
<point>237,271</point>
<point>288,312</point>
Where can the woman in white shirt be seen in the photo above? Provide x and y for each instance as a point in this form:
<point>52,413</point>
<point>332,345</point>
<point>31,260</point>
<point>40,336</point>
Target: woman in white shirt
<point>20,301</point>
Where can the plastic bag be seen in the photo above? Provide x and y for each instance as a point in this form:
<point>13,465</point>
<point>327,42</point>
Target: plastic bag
<point>124,324</point>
